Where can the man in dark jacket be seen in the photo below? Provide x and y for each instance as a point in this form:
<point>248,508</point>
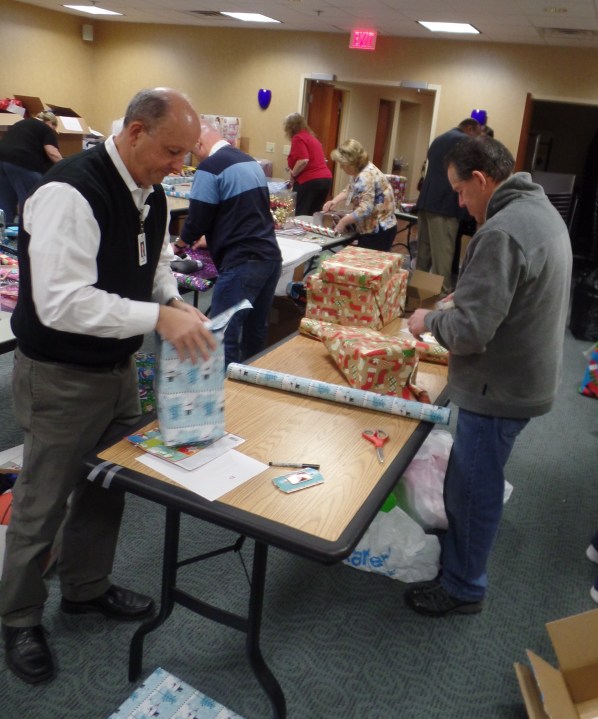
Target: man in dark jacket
<point>505,335</point>
<point>437,207</point>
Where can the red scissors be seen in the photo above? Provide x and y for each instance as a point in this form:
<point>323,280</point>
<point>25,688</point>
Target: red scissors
<point>377,437</point>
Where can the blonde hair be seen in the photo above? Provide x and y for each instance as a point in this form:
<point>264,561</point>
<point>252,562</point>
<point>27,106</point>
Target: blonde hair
<point>294,123</point>
<point>47,116</point>
<point>351,153</point>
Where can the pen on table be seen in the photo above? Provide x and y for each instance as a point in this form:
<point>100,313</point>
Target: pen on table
<point>305,465</point>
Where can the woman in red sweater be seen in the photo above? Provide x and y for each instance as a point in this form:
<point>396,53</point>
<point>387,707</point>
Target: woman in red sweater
<point>311,178</point>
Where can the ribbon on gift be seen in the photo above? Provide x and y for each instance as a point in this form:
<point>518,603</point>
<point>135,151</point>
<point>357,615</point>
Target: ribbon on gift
<point>338,393</point>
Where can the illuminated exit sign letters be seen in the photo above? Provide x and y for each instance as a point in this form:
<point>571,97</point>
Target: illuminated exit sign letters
<point>363,40</point>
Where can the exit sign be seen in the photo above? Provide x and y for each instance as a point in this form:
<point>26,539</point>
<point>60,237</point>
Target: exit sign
<point>363,40</point>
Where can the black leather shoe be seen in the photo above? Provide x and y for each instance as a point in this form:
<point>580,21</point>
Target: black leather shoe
<point>28,654</point>
<point>117,603</point>
<point>432,600</point>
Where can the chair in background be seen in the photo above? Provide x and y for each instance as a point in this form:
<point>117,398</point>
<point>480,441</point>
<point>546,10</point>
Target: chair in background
<point>560,190</point>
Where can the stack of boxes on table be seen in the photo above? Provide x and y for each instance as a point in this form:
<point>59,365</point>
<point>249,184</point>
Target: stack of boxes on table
<point>355,294</point>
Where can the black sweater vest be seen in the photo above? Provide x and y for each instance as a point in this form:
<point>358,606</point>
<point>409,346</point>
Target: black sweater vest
<point>94,175</point>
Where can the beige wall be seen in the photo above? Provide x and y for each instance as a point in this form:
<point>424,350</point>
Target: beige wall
<point>42,53</point>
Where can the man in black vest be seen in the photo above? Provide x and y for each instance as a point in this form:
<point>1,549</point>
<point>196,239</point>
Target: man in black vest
<point>94,262</point>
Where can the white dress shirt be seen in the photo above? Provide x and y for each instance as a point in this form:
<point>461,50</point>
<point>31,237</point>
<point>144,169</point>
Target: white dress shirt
<point>65,239</point>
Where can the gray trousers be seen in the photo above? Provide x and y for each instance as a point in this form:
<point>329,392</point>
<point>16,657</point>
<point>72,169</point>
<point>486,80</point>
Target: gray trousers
<point>436,241</point>
<point>64,412</point>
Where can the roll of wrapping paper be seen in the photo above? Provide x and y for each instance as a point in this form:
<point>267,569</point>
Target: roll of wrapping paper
<point>338,393</point>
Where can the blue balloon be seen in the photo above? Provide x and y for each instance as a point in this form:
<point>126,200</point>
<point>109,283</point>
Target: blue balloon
<point>480,115</point>
<point>264,97</point>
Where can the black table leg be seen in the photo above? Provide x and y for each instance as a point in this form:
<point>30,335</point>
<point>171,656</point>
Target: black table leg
<point>169,572</point>
<point>256,602</point>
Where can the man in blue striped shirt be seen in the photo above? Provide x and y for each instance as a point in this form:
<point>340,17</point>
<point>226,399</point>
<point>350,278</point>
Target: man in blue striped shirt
<point>229,204</point>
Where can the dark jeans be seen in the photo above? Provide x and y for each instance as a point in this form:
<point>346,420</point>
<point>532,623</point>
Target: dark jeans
<point>474,488</point>
<point>311,195</point>
<point>15,185</point>
<point>254,280</point>
<point>381,240</point>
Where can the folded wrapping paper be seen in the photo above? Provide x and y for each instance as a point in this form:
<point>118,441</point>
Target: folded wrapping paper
<point>190,397</point>
<point>372,361</point>
<point>358,287</point>
<point>146,372</point>
<point>337,393</point>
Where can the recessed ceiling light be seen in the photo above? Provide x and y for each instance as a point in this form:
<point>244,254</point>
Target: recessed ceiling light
<point>457,27</point>
<point>92,9</point>
<point>249,16</point>
<point>555,10</point>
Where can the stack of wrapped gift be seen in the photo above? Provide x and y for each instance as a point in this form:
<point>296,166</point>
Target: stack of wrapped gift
<point>358,287</point>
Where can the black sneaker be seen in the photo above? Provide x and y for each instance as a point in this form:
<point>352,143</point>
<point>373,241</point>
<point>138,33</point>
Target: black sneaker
<point>432,600</point>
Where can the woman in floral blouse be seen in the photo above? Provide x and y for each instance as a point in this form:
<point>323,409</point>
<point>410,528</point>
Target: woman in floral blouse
<point>370,196</point>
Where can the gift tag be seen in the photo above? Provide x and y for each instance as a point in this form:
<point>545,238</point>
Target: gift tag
<point>301,479</point>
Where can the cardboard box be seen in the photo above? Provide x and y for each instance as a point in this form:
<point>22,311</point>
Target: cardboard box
<point>72,128</point>
<point>570,692</point>
<point>422,288</point>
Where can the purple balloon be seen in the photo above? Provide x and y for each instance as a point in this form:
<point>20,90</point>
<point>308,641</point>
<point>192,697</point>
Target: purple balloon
<point>480,115</point>
<point>264,97</point>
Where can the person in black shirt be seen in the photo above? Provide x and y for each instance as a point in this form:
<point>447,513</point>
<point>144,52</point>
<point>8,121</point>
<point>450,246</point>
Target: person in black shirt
<point>27,150</point>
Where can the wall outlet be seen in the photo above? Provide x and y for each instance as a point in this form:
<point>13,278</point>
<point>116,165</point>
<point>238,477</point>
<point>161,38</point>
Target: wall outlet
<point>270,147</point>
<point>286,149</point>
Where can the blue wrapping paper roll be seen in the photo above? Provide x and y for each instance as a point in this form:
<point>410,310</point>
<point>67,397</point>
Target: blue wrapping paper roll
<point>338,393</point>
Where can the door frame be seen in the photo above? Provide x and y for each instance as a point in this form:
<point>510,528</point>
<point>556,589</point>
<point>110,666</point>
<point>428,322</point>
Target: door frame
<point>346,108</point>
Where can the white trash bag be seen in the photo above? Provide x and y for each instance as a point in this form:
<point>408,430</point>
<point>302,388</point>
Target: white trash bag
<point>396,546</point>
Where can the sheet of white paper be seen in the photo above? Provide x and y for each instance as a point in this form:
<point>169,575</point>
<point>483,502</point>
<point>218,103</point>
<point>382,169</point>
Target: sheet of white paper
<point>214,479</point>
<point>71,124</point>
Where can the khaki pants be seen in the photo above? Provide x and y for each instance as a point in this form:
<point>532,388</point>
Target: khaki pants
<point>65,412</point>
<point>436,241</point>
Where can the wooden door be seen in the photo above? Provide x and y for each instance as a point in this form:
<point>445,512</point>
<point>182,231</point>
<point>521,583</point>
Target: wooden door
<point>524,135</point>
<point>323,116</point>
<point>383,130</point>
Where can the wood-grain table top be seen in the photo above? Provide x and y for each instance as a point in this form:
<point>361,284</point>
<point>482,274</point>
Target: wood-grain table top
<point>283,426</point>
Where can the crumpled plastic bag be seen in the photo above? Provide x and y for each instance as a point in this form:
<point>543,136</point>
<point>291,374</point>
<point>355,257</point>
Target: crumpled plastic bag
<point>396,546</point>
<point>420,490</point>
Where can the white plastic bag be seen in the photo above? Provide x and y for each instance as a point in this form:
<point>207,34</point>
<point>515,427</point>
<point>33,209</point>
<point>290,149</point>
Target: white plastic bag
<point>420,491</point>
<point>421,487</point>
<point>396,546</point>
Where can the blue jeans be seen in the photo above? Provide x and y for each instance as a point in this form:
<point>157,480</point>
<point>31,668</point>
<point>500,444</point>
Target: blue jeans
<point>473,498</point>
<point>254,280</point>
<point>15,185</point>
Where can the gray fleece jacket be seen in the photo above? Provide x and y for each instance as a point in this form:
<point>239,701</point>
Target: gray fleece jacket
<point>506,332</point>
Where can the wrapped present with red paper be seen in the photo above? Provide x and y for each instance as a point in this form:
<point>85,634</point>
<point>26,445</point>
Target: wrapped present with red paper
<point>428,350</point>
<point>372,361</point>
<point>358,287</point>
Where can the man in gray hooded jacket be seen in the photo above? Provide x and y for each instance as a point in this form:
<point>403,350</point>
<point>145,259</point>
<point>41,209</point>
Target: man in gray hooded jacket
<point>505,336</point>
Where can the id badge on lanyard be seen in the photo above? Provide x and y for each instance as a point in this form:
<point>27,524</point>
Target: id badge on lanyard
<point>142,249</point>
<point>141,242</point>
